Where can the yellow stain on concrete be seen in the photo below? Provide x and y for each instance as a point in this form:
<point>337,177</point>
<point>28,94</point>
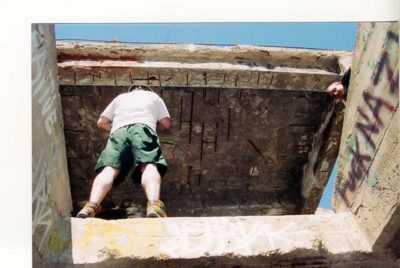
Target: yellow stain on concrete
<point>100,232</point>
<point>121,238</point>
<point>151,230</point>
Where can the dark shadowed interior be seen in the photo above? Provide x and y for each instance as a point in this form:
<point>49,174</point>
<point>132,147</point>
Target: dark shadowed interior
<point>230,151</point>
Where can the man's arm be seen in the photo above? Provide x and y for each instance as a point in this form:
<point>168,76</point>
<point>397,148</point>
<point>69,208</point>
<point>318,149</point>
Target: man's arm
<point>164,120</point>
<point>164,123</point>
<point>104,123</point>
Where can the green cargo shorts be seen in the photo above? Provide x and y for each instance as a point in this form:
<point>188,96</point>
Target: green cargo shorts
<point>127,148</point>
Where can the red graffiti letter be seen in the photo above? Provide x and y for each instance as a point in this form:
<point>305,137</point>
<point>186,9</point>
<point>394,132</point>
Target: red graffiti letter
<point>367,129</point>
<point>394,81</point>
<point>375,104</point>
<point>358,165</point>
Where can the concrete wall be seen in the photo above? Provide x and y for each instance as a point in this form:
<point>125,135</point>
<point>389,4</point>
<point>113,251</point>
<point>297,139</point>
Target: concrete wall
<point>230,151</point>
<point>51,198</point>
<point>368,180</point>
<point>257,241</point>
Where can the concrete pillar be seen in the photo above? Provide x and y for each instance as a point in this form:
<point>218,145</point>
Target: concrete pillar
<point>368,180</point>
<point>51,198</point>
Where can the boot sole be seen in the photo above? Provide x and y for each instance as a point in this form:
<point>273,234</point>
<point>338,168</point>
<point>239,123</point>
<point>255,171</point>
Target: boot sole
<point>153,215</point>
<point>82,216</point>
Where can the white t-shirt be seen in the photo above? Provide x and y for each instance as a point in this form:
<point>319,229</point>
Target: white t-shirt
<point>137,106</point>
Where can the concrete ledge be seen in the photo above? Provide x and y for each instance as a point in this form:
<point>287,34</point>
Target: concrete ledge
<point>221,75</point>
<point>190,53</point>
<point>105,64</point>
<point>310,240</point>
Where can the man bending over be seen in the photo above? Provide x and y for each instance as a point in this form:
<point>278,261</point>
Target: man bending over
<point>131,119</point>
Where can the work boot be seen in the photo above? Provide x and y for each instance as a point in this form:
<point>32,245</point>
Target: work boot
<point>156,209</point>
<point>89,210</point>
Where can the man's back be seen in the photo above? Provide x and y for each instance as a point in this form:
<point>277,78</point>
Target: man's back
<point>138,106</point>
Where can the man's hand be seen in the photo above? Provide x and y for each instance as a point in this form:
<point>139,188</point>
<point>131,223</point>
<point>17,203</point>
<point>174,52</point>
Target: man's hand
<point>104,123</point>
<point>164,123</point>
<point>336,90</point>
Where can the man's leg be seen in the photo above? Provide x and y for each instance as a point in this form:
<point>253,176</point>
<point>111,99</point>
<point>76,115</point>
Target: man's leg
<point>101,186</point>
<point>151,182</point>
<point>103,183</point>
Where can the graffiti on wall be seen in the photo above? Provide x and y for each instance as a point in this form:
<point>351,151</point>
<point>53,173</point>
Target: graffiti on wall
<point>189,238</point>
<point>41,210</point>
<point>221,236</point>
<point>44,82</point>
<point>376,110</point>
<point>45,115</point>
<point>41,87</point>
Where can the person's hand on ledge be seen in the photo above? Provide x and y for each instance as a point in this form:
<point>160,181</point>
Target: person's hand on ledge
<point>336,90</point>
